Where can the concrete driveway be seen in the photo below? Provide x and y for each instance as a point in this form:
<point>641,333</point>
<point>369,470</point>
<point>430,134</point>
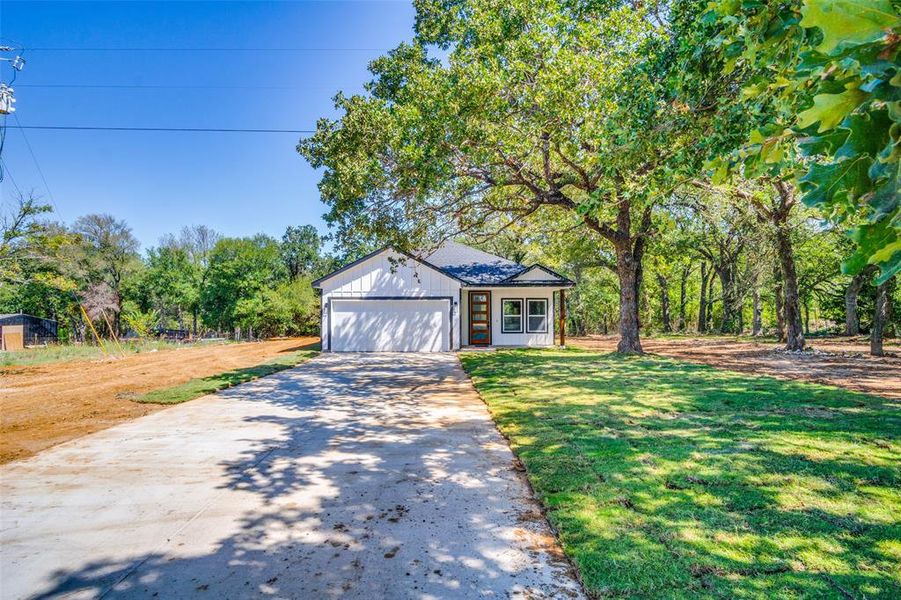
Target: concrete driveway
<point>362,476</point>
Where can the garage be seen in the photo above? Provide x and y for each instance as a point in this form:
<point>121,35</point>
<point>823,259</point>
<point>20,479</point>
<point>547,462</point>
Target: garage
<point>390,325</point>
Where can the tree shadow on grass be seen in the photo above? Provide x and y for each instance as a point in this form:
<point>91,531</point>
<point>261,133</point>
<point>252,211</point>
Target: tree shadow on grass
<point>338,492</point>
<point>667,478</point>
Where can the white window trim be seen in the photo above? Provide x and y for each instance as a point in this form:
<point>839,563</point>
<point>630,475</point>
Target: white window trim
<point>529,315</point>
<point>521,316</point>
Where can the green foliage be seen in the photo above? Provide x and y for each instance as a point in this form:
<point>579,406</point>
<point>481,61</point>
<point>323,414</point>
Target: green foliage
<point>822,77</point>
<point>168,283</point>
<point>671,480</point>
<point>107,250</point>
<point>290,308</point>
<point>36,274</point>
<point>140,322</point>
<point>849,22</point>
<point>248,286</point>
<point>301,251</point>
<point>303,306</point>
<point>24,238</point>
<point>551,104</point>
<point>240,269</point>
<point>196,275</point>
<point>830,109</point>
<point>266,313</point>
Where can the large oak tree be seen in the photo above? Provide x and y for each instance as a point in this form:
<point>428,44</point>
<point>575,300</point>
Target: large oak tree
<point>526,106</point>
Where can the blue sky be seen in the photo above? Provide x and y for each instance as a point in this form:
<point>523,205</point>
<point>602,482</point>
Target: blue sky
<point>237,183</point>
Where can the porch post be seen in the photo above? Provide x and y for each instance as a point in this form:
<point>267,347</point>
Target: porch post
<point>562,318</point>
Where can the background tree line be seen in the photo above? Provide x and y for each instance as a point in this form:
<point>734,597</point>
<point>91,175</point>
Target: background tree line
<point>711,268</point>
<point>196,281</point>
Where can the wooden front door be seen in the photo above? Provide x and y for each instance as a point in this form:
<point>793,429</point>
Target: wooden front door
<point>480,318</point>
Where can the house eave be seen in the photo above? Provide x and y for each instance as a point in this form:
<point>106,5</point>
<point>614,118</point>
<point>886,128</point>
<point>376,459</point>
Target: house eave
<point>517,284</point>
<point>559,277</point>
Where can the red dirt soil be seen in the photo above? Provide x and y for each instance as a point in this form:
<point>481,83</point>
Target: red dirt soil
<point>47,404</point>
<point>842,362</point>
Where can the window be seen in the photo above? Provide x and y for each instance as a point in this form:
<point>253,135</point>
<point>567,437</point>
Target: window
<point>536,318</point>
<point>512,315</point>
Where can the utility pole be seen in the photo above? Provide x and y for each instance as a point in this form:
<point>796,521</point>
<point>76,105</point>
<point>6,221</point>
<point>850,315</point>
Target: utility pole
<point>6,91</point>
<point>7,100</point>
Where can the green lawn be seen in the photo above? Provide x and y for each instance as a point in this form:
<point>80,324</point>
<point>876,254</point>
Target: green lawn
<point>667,479</point>
<point>207,385</point>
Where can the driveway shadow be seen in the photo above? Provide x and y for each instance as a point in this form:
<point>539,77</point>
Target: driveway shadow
<point>380,476</point>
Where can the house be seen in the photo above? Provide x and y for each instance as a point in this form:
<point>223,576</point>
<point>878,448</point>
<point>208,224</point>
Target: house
<point>454,296</point>
<point>18,330</point>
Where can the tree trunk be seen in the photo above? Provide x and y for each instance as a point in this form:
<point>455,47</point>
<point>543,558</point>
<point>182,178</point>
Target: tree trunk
<point>780,308</point>
<point>702,305</point>
<point>791,305</point>
<point>757,321</point>
<point>880,319</point>
<point>683,297</point>
<point>794,334</point>
<point>852,321</point>
<point>710,300</point>
<point>641,301</point>
<point>574,320</point>
<point>729,320</point>
<point>627,270</point>
<point>664,303</point>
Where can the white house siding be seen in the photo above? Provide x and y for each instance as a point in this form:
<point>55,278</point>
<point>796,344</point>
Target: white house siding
<point>498,338</point>
<point>378,277</point>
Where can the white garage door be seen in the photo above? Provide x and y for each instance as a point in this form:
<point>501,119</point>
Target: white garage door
<point>390,326</point>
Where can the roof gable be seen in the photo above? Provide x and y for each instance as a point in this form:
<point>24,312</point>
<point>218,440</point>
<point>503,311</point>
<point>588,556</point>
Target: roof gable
<point>473,266</point>
<point>538,273</point>
<point>402,258</point>
<point>468,266</point>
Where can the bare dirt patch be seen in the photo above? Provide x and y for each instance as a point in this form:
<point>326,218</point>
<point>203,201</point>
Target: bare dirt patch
<point>842,362</point>
<point>44,405</point>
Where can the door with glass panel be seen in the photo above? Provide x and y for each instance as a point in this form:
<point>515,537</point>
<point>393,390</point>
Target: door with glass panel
<point>480,318</point>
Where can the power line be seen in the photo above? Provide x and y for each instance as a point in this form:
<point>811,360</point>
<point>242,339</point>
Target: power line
<point>164,49</point>
<point>36,163</point>
<point>177,129</point>
<point>162,86</point>
<point>11,178</point>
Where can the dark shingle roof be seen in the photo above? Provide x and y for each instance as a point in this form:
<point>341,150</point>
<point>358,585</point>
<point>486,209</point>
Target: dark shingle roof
<point>472,266</point>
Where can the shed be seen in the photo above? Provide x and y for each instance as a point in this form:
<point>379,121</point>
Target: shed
<point>18,330</point>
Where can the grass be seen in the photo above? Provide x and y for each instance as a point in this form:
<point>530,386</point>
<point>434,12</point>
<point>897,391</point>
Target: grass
<point>56,353</point>
<point>671,480</point>
<point>202,386</point>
